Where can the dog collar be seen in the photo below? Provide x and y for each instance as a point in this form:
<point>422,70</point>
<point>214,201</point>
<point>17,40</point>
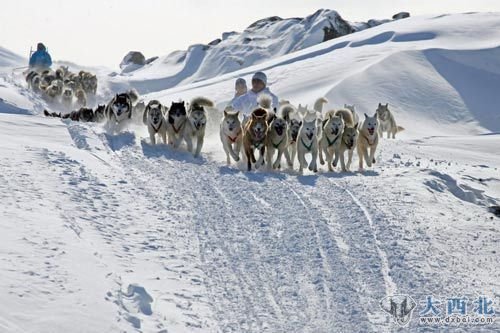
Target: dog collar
<point>307,147</point>
<point>370,142</point>
<point>157,129</point>
<point>279,143</point>
<point>235,138</point>
<point>180,126</point>
<point>330,143</point>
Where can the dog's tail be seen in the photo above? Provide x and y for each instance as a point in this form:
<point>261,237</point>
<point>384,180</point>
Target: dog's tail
<point>399,128</point>
<point>265,101</point>
<point>286,111</point>
<point>134,95</point>
<point>202,101</point>
<point>318,105</point>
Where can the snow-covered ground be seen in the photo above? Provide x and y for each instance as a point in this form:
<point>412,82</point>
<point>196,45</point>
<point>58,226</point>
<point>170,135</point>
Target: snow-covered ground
<point>106,233</point>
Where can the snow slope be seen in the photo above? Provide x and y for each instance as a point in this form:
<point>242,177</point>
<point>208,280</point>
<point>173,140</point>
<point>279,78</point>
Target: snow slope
<point>106,233</point>
<point>265,39</point>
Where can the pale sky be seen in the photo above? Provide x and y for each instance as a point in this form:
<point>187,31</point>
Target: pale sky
<point>101,32</point>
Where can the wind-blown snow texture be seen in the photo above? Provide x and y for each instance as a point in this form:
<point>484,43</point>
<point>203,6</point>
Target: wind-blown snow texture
<point>106,233</point>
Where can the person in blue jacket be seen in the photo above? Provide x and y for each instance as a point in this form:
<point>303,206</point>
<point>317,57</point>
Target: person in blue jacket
<point>40,58</point>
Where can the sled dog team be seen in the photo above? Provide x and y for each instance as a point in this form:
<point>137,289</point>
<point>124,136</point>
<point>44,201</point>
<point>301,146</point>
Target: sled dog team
<point>296,132</point>
<point>67,88</point>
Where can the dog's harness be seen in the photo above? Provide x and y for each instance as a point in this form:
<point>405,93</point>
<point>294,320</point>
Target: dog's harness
<point>331,143</point>
<point>310,146</point>
<point>279,143</point>
<point>235,138</point>
<point>177,130</point>
<point>157,129</point>
<point>370,142</point>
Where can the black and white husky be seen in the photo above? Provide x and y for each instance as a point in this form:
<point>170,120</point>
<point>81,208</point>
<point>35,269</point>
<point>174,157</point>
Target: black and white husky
<point>176,122</point>
<point>119,111</point>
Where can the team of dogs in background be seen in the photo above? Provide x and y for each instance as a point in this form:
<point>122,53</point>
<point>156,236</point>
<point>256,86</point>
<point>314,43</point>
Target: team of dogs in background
<point>62,86</point>
<point>292,132</point>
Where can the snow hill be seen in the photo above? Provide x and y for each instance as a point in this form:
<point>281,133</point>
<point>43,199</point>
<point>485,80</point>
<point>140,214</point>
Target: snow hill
<point>265,39</point>
<point>106,233</point>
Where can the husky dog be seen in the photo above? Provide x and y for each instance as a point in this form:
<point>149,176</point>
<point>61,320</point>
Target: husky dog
<point>277,139</point>
<point>231,134</point>
<point>51,92</point>
<point>318,105</point>
<point>62,72</point>
<point>84,115</point>
<point>254,137</point>
<point>333,128</point>
<point>294,120</point>
<point>81,98</point>
<point>368,138</point>
<point>196,123</point>
<point>119,109</point>
<point>308,142</point>
<point>154,118</point>
<point>177,118</point>
<point>352,108</point>
<point>67,97</point>
<point>387,123</point>
<point>99,113</point>
<point>348,142</point>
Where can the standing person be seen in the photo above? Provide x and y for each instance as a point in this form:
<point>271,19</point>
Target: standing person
<point>240,89</point>
<point>40,59</point>
<point>248,102</point>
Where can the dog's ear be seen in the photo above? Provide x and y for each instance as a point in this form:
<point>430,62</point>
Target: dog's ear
<point>387,105</point>
<point>324,122</point>
<point>238,114</point>
<point>225,113</point>
<point>356,126</point>
<point>366,116</point>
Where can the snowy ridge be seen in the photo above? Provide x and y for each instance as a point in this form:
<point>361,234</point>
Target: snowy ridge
<point>107,233</point>
<point>265,39</point>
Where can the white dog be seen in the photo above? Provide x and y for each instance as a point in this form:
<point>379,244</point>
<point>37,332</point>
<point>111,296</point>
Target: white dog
<point>307,142</point>
<point>231,134</point>
<point>154,118</point>
<point>333,128</point>
<point>196,124</point>
<point>368,138</point>
<point>387,121</point>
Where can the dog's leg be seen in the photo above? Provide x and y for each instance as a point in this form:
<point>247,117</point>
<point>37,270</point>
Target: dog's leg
<point>189,142</point>
<point>226,146</point>
<point>372,154</point>
<point>329,158</point>
<point>269,158</point>
<point>164,137</point>
<point>313,166</point>
<point>294,153</point>
<point>302,159</point>
<point>199,145</point>
<point>360,156</point>
<point>277,163</point>
<point>250,158</point>
<point>342,162</point>
<point>260,161</point>
<point>321,160</point>
<point>287,157</point>
<point>349,160</point>
<point>152,137</point>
